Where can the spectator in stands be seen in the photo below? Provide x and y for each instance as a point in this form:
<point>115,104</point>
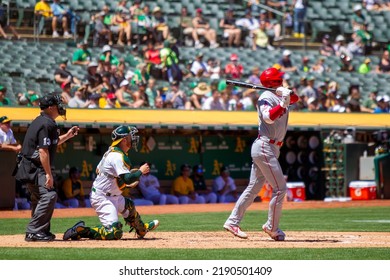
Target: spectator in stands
<point>94,101</point>
<point>339,105</point>
<point>151,92</point>
<point>309,90</point>
<point>82,56</point>
<point>272,27</point>
<point>340,48</point>
<point>93,77</point>
<point>354,103</point>
<point>73,191</point>
<point>202,27</point>
<point>141,74</point>
<point>252,5</point>
<point>183,187</point>
<point>299,18</point>
<point>384,63</point>
<point>149,186</point>
<point>170,63</point>
<point>371,102</point>
<point>177,97</point>
<point>355,47</point>
<point>249,99</point>
<point>214,68</point>
<point>319,66</point>
<point>200,186</point>
<point>312,105</point>
<point>108,57</point>
<point>153,60</point>
<point>199,95</point>
<point>230,30</point>
<point>225,187</point>
<point>64,16</point>
<point>110,101</point>
<point>103,33</point>
<point>61,74</point>
<point>5,26</point>
<point>365,67</point>
<point>372,5</point>
<point>7,138</point>
<point>213,102</point>
<point>285,62</point>
<point>66,91</point>
<point>346,64</point>
<point>199,67</point>
<point>139,96</point>
<point>43,9</point>
<point>234,69</point>
<point>383,104</point>
<point>186,27</point>
<point>305,64</point>
<point>4,101</point>
<point>357,19</point>
<point>79,99</point>
<point>247,24</point>
<point>260,38</point>
<point>121,23</point>
<point>160,25</point>
<point>158,102</point>
<point>124,95</point>
<point>135,9</point>
<point>326,48</point>
<point>29,98</point>
<point>254,78</point>
<point>365,38</point>
<point>288,22</point>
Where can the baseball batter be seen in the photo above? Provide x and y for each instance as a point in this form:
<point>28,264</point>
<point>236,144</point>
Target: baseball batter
<point>113,174</point>
<point>272,109</point>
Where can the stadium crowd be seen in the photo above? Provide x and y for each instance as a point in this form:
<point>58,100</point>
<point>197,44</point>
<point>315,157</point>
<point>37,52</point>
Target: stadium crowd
<point>133,80</point>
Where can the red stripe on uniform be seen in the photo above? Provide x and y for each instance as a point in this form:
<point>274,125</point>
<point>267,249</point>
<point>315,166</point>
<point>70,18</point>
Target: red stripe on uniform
<point>273,175</point>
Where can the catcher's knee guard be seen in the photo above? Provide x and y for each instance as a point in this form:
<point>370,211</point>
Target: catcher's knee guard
<point>134,219</point>
<point>113,232</point>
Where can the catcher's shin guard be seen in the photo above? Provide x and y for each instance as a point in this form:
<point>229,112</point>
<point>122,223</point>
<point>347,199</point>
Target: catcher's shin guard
<point>113,232</point>
<point>134,219</point>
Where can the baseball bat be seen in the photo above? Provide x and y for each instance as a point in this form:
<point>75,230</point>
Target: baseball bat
<point>248,85</point>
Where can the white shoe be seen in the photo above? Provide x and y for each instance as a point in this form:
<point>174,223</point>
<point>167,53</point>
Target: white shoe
<point>198,46</point>
<point>235,230</point>
<point>214,45</point>
<point>67,35</point>
<point>55,34</point>
<point>277,235</point>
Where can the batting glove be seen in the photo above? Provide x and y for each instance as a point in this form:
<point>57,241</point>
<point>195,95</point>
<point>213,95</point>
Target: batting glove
<point>285,94</point>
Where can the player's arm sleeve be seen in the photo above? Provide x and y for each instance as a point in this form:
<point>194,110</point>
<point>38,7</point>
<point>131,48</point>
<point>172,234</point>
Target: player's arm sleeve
<point>233,186</point>
<point>293,98</point>
<point>129,178</point>
<point>269,113</point>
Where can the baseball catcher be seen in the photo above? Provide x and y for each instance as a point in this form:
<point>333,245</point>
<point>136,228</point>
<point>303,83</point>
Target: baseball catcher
<point>272,109</point>
<point>113,174</point>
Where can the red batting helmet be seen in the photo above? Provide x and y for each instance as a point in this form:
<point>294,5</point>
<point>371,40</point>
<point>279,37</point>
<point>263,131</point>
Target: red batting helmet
<point>271,77</point>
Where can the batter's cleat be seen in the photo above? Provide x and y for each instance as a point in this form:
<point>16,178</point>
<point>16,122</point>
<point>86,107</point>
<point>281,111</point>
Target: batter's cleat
<point>235,230</point>
<point>277,235</point>
<point>73,232</point>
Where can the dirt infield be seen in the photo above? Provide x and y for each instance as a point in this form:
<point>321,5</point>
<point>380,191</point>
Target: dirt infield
<point>215,240</point>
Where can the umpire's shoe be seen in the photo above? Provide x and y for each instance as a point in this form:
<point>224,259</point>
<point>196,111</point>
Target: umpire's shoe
<point>40,237</point>
<point>73,232</point>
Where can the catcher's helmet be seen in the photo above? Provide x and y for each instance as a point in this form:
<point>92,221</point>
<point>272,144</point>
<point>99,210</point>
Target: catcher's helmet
<point>123,131</point>
<point>271,77</point>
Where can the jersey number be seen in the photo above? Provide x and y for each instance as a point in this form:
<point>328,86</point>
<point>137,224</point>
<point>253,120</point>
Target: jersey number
<point>46,141</point>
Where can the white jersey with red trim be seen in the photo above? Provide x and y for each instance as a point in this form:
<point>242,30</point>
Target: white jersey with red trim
<point>277,129</point>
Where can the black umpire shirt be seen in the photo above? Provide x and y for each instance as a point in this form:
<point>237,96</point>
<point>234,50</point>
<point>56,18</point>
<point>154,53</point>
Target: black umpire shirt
<point>42,133</point>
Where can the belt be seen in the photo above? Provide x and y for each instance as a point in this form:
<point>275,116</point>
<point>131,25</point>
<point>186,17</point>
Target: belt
<point>106,194</point>
<point>272,141</point>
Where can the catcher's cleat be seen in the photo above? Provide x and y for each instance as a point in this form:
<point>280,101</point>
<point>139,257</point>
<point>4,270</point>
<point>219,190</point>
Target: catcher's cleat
<point>152,225</point>
<point>277,235</point>
<point>73,232</point>
<point>236,231</point>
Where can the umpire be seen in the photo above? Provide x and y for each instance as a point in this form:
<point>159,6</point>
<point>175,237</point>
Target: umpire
<point>35,167</point>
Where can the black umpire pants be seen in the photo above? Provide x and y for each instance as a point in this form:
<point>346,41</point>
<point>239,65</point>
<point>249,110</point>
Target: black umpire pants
<point>43,203</point>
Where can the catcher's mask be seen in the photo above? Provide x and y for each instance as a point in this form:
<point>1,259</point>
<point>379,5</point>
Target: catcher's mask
<point>53,99</point>
<point>123,131</point>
